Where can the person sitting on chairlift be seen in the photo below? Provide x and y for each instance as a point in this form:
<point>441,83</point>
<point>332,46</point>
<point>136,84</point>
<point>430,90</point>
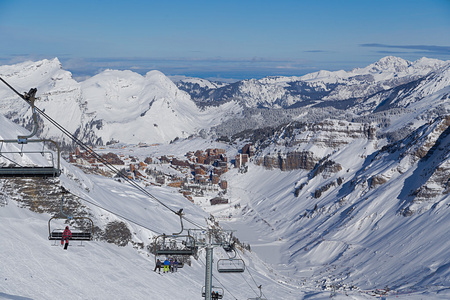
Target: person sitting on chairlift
<point>215,295</point>
<point>171,265</point>
<point>158,266</point>
<point>67,234</point>
<point>175,265</point>
<point>166,266</point>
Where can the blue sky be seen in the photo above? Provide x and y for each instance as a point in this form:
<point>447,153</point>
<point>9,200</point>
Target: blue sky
<point>222,39</point>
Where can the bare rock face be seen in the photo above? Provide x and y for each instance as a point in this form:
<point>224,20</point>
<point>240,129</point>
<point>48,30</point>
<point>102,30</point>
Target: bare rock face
<point>289,161</point>
<point>292,141</point>
<point>377,180</point>
<point>326,167</point>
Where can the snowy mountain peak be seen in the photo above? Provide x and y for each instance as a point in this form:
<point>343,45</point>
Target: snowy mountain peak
<point>391,64</point>
<point>430,62</point>
<point>200,82</point>
<point>44,70</point>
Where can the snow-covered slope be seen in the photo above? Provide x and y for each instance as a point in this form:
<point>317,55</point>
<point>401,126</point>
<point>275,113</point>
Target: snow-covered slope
<point>363,216</point>
<point>32,268</point>
<point>351,200</point>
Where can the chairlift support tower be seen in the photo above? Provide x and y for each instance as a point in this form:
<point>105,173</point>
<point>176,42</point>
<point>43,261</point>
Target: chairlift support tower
<point>209,239</point>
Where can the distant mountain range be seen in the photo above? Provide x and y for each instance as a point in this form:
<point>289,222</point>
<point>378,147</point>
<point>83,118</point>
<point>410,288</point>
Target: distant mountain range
<point>127,107</point>
<point>320,89</point>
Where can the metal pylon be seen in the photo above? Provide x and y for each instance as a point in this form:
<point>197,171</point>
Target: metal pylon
<point>208,272</point>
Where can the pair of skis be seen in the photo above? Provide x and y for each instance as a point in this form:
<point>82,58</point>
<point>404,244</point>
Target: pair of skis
<point>65,245</point>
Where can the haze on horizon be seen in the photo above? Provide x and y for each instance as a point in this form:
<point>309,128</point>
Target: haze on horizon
<point>222,40</point>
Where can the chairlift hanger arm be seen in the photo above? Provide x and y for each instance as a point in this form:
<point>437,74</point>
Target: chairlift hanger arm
<point>29,97</point>
<point>180,214</point>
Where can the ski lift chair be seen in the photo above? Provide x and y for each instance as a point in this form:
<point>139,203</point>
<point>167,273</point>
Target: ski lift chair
<point>230,265</point>
<point>16,170</point>
<point>81,233</point>
<point>175,244</point>
<point>78,234</point>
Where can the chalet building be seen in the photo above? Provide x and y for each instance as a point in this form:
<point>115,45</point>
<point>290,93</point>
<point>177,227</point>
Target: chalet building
<point>200,179</point>
<point>222,165</point>
<point>137,174</point>
<point>220,171</point>
<point>248,149</point>
<point>176,184</point>
<point>180,163</point>
<point>199,170</point>
<point>191,157</point>
<point>240,160</point>
<point>223,184</point>
<point>164,159</point>
<point>188,195</point>
<point>215,178</point>
<point>201,159</point>
<point>113,159</point>
<point>218,200</point>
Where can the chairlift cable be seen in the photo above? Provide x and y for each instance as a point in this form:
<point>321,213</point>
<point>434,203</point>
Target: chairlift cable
<point>10,160</point>
<point>248,270</point>
<point>109,165</point>
<point>194,223</point>
<point>96,155</point>
<point>116,214</point>
<point>15,91</point>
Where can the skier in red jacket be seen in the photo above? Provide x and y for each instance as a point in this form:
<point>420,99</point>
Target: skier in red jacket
<point>67,234</point>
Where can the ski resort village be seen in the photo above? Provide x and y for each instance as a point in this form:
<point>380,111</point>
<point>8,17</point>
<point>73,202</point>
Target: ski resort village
<point>334,184</point>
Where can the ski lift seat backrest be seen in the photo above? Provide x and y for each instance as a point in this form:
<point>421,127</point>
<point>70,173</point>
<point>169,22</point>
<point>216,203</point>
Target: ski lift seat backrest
<point>231,265</point>
<point>174,252</point>
<point>77,235</point>
<point>174,245</point>
<point>29,172</point>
